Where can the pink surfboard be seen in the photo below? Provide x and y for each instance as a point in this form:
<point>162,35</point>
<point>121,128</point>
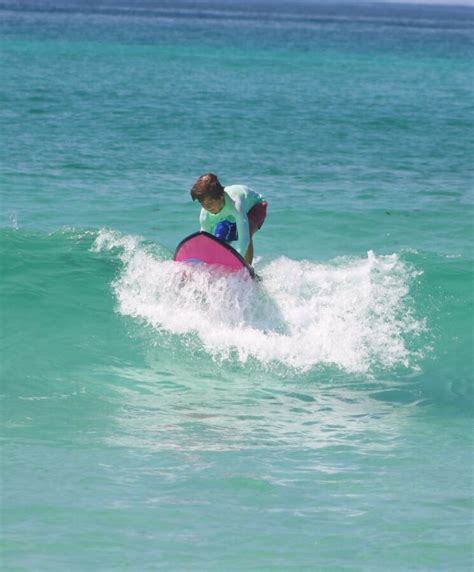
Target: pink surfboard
<point>203,248</point>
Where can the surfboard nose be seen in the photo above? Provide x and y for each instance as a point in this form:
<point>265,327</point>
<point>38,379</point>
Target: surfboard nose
<point>205,248</point>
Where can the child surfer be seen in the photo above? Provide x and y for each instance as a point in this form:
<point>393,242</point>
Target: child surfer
<point>232,214</point>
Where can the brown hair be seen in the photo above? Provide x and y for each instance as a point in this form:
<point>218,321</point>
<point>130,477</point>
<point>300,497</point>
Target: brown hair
<point>207,186</point>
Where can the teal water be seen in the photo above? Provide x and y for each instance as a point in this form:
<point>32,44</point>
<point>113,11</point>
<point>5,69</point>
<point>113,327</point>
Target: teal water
<point>318,420</point>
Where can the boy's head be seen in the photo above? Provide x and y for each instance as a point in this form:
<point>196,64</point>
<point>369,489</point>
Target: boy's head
<point>209,192</point>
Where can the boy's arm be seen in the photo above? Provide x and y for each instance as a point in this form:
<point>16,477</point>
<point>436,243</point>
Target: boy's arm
<point>204,221</point>
<point>242,221</point>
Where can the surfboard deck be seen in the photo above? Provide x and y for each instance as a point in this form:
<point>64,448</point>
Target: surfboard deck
<point>203,248</point>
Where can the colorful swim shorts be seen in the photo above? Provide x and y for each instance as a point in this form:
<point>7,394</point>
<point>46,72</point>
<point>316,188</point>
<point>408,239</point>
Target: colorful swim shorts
<point>256,216</point>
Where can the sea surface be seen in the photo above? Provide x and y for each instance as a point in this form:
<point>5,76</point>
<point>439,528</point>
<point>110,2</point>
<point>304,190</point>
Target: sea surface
<point>318,420</point>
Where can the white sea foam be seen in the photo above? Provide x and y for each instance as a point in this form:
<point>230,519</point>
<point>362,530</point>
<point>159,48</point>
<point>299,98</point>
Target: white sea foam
<point>352,312</point>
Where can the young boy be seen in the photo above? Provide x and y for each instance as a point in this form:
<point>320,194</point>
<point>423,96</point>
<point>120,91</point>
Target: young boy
<point>232,214</point>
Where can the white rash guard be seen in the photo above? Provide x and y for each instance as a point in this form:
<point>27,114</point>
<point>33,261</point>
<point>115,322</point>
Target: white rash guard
<point>238,200</point>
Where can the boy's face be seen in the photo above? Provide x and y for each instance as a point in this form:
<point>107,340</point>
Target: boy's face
<point>212,205</point>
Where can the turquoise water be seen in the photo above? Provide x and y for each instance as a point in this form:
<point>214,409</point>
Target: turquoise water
<point>318,420</point>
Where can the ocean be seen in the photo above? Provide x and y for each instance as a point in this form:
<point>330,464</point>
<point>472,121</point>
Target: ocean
<point>318,420</point>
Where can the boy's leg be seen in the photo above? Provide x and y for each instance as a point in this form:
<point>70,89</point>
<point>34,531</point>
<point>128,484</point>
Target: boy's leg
<point>249,254</point>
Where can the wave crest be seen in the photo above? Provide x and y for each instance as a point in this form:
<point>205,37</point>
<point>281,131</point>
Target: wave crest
<point>354,313</point>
